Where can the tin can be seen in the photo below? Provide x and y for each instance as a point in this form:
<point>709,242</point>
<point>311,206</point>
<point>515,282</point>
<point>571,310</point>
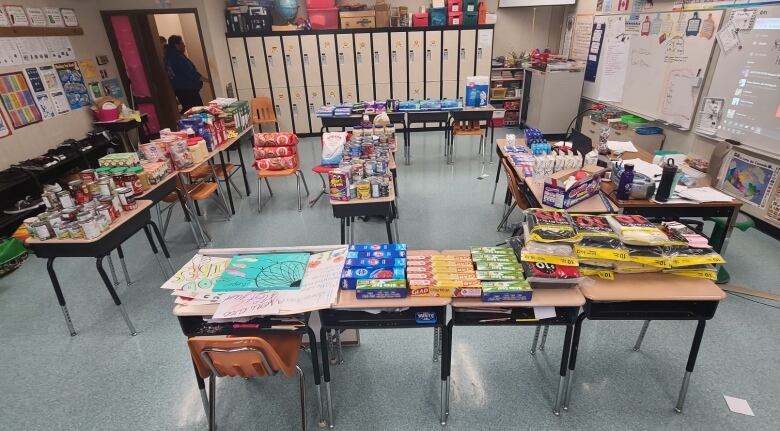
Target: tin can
<point>66,201</point>
<point>375,189</point>
<point>90,206</point>
<point>367,149</point>
<point>353,191</point>
<point>42,230</point>
<point>69,215</point>
<point>29,224</point>
<point>106,210</point>
<point>104,186</point>
<point>132,179</point>
<point>380,166</point>
<point>60,231</point>
<point>116,202</point>
<point>118,179</point>
<point>75,230</point>
<point>108,202</point>
<point>363,190</point>
<point>355,150</point>
<point>79,192</point>
<point>88,176</point>
<point>127,198</point>
<point>50,200</point>
<point>103,221</point>
<point>357,170</point>
<point>384,189</point>
<point>83,215</point>
<point>93,188</point>
<point>90,227</point>
<point>370,168</point>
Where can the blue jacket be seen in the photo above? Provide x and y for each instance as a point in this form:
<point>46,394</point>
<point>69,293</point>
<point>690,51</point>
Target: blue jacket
<point>181,72</point>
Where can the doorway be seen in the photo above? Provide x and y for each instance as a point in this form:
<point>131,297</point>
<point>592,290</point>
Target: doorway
<point>135,37</point>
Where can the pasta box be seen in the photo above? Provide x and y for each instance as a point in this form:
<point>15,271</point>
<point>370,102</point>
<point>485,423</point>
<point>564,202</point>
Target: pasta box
<point>380,289</point>
<point>372,262</point>
<point>377,254</point>
<point>518,290</point>
<point>350,276</point>
<point>374,247</point>
<point>557,194</point>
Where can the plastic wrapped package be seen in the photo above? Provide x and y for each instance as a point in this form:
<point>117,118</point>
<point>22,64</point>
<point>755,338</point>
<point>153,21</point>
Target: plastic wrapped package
<point>598,241</point>
<point>637,230</point>
<point>707,272</point>
<point>687,256</point>
<point>655,256</point>
<point>551,226</point>
<point>271,152</point>
<point>180,156</point>
<point>276,163</point>
<point>277,139</point>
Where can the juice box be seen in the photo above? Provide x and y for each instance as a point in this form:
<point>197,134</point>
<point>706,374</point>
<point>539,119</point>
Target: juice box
<point>500,275</point>
<point>375,247</point>
<point>498,266</point>
<point>372,262</point>
<point>518,290</point>
<point>377,254</point>
<point>380,289</point>
<point>350,276</point>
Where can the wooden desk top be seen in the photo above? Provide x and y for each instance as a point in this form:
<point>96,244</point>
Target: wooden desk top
<point>652,287</point>
<point>348,301</point>
<point>123,217</point>
<point>159,183</point>
<point>609,190</point>
<point>569,297</point>
<point>389,198</point>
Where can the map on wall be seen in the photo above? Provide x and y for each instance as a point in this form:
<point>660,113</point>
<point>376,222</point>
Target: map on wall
<point>750,179</point>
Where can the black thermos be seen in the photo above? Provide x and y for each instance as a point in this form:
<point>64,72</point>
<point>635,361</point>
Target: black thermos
<point>667,181</point>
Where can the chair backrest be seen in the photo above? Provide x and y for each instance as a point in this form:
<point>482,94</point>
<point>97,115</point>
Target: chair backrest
<point>236,356</point>
<point>513,184</point>
<point>263,110</point>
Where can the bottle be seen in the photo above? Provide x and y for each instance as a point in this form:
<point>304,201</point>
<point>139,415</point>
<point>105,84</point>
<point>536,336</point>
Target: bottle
<point>366,125</point>
<point>667,181</point>
<point>646,26</point>
<point>626,178</point>
<point>693,25</point>
<point>707,28</point>
<point>603,138</point>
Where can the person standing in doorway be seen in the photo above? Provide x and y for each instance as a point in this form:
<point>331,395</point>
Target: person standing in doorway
<point>184,77</point>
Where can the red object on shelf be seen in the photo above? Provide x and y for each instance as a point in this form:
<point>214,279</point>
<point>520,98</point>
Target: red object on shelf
<point>320,4</point>
<point>327,18</point>
<point>455,18</point>
<point>482,9</point>
<point>420,19</point>
<point>454,6</point>
<point>497,122</point>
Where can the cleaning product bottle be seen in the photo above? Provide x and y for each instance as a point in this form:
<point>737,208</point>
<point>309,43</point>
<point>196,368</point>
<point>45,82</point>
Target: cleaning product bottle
<point>626,178</point>
<point>603,138</point>
<point>693,25</point>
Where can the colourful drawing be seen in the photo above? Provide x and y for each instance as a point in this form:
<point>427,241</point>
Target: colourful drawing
<point>18,100</point>
<point>275,271</point>
<point>750,179</point>
<point>112,87</point>
<point>73,84</point>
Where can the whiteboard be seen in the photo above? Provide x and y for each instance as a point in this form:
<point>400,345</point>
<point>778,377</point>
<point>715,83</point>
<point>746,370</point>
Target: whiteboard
<point>654,65</point>
<point>747,82</point>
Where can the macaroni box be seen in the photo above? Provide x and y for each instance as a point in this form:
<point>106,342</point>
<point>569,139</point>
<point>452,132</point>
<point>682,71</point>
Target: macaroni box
<point>500,275</point>
<point>518,290</point>
<point>498,266</point>
<point>372,262</point>
<point>375,247</point>
<point>377,254</point>
<point>350,276</point>
<point>380,289</point>
<point>450,284</point>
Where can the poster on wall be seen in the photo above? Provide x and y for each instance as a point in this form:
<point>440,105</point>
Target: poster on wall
<point>88,69</point>
<point>60,48</point>
<point>49,78</point>
<point>46,105</point>
<point>18,100</point>
<point>60,102</point>
<point>17,16</point>
<point>34,78</point>
<point>36,17</point>
<point>5,130</point>
<point>580,39</point>
<point>112,87</point>
<point>53,17</point>
<point>4,22</point>
<point>73,84</point>
<point>95,90</point>
<point>32,49</point>
<point>9,54</point>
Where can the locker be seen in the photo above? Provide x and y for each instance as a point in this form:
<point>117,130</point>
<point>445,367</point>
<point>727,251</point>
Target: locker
<point>245,94</point>
<point>416,54</point>
<point>254,46</point>
<point>331,95</point>
<point>400,90</point>
<point>382,91</point>
<point>311,63</point>
<point>364,60</point>
<point>417,92</point>
<point>449,89</point>
<point>381,59</point>
<point>449,56</point>
<point>292,60</point>
<point>433,55</point>
<point>300,109</point>
<point>398,57</point>
<point>274,57</point>
<point>282,107</point>
<point>349,94</point>
<point>346,58</point>
<point>330,71</point>
<point>314,95</point>
<point>468,42</point>
<point>239,62</point>
<point>265,92</point>
<point>365,92</point>
<point>433,90</point>
<point>484,51</point>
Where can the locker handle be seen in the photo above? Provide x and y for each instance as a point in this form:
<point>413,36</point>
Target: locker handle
<point>288,59</point>
<point>295,109</point>
<point>445,54</point>
<point>394,55</point>
<point>376,57</point>
<point>252,60</point>
<point>324,58</point>
<point>306,59</point>
<point>479,53</point>
<point>463,53</point>
<point>270,60</point>
<point>428,55</point>
<point>234,59</point>
<point>278,110</point>
<point>311,108</point>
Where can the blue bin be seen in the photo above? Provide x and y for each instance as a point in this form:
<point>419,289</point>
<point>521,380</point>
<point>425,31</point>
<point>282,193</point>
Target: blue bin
<point>437,16</point>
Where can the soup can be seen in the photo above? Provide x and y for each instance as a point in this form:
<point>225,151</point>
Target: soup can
<point>90,227</point>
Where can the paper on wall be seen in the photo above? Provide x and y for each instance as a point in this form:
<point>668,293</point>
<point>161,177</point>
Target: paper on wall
<point>53,17</point>
<point>49,77</point>
<point>727,37</point>
<point>583,26</point>
<point>60,102</point>
<point>36,16</point>
<point>45,105</point>
<point>615,61</point>
<point>4,22</point>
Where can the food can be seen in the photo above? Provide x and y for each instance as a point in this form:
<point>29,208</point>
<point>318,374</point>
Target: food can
<point>353,191</point>
<point>104,186</point>
<point>116,202</point>
<point>83,215</point>
<point>370,168</point>
<point>363,190</point>
<point>69,215</point>
<point>381,166</point>
<point>384,189</point>
<point>132,179</point>
<point>103,221</point>
<point>42,230</point>
<point>60,231</point>
<point>90,227</point>
<point>88,176</point>
<point>357,170</point>
<point>367,149</point>
<point>75,230</point>
<point>66,201</point>
<point>375,189</point>
<point>107,202</point>
<point>105,210</point>
<point>127,198</point>
<point>29,224</point>
<point>50,200</point>
<point>118,178</point>
<point>355,150</point>
<point>93,188</point>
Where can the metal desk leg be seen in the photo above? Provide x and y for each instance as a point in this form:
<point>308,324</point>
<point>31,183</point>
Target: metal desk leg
<point>691,363</point>
<point>112,270</point>
<point>351,224</point>
<point>122,262</point>
<point>227,182</point>
<point>60,297</point>
<point>498,175</point>
<point>202,390</point>
<point>164,248</point>
<point>388,221</point>
<point>326,373</point>
<point>447,365</point>
<point>536,339</point>
<point>315,363</point>
<point>544,338</point>
<point>436,344</point>
<point>642,333</point>
<point>342,222</point>
<point>444,389</point>
<point>575,342</point>
<point>187,206</point>
<point>114,296</point>
<point>243,170</point>
<point>154,250</point>
<point>564,362</point>
<point>492,140</point>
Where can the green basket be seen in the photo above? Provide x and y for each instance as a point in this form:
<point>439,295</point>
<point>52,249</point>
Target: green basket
<point>12,255</point>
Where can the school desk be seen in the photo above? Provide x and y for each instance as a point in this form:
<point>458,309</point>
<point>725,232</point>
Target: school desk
<point>120,230</point>
<point>567,302</point>
<point>647,297</point>
<point>350,313</point>
<point>346,211</point>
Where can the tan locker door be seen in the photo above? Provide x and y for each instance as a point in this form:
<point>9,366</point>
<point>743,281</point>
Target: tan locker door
<point>315,101</point>
<point>416,56</point>
<point>274,57</point>
<point>400,90</point>
<point>432,56</point>
<point>328,59</point>
<point>292,59</point>
<point>468,42</point>
<point>449,89</point>
<point>416,92</point>
<point>349,93</point>
<point>254,46</point>
<point>363,59</point>
<point>239,62</point>
<point>398,57</point>
<point>366,92</point>
<point>300,109</point>
<point>484,51</point>
<point>311,61</point>
<point>382,91</point>
<point>449,56</point>
<point>332,95</point>
<point>381,59</point>
<point>282,107</point>
<point>346,58</point>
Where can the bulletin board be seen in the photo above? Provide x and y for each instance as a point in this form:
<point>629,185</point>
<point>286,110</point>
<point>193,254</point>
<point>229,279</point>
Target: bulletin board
<point>652,64</point>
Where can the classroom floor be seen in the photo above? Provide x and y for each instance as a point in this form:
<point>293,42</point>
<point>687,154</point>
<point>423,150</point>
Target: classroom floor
<point>104,379</point>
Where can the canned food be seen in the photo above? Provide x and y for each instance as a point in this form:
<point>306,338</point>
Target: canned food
<point>105,210</point>
<point>363,190</point>
<point>116,202</point>
<point>50,200</point>
<point>69,215</point>
<point>127,198</point>
<point>370,168</point>
<point>353,191</point>
<point>75,230</point>
<point>60,231</point>
<point>118,179</point>
<point>88,175</point>
<point>90,227</point>
<point>103,221</point>
<point>132,180</point>
<point>93,188</point>
<point>29,225</point>
<point>104,186</point>
<point>66,201</point>
<point>375,189</point>
<point>42,230</point>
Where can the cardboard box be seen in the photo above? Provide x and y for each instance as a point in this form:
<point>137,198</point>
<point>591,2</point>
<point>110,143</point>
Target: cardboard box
<point>358,19</point>
<point>380,289</point>
<point>350,276</point>
<point>555,195</point>
<point>518,290</point>
<point>382,13</point>
<point>373,262</point>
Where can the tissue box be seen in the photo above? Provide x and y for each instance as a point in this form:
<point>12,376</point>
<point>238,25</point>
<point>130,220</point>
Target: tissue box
<point>519,290</point>
<point>380,289</point>
<point>556,195</point>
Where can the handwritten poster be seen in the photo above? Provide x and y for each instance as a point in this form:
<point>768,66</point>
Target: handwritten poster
<point>18,100</point>
<point>73,84</point>
<point>269,271</point>
<point>244,304</point>
<point>580,39</point>
<point>320,286</point>
<point>49,78</point>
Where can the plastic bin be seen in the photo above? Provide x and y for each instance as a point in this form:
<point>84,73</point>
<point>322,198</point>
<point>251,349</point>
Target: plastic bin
<point>437,16</point>
<point>327,18</point>
<point>470,6</point>
<point>320,4</point>
<point>420,19</point>
<point>470,18</point>
<point>455,18</point>
<point>454,6</point>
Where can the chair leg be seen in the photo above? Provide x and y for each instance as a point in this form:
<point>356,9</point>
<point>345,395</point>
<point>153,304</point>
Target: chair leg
<point>271,192</point>
<point>641,337</point>
<point>544,338</point>
<point>167,220</point>
<point>230,182</point>
<point>259,194</point>
<point>298,188</point>
<point>322,192</point>
<point>305,186</point>
<point>302,388</point>
<point>506,216</point>
<point>212,402</point>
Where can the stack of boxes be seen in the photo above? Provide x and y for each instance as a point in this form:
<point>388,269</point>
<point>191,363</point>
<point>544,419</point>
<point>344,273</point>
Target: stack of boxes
<point>437,14</point>
<point>235,118</point>
<point>375,271</point>
<point>442,275</point>
<point>455,12</point>
<point>470,12</point>
<point>501,274</point>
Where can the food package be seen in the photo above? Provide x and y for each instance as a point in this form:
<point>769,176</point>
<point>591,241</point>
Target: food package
<point>333,147</point>
<point>180,155</point>
<point>277,139</point>
<point>277,163</point>
<point>500,275</point>
<point>380,289</point>
<point>599,241</point>
<point>555,253</point>
<point>596,271</point>
<point>707,272</point>
<point>551,226</point>
<point>687,256</point>
<point>338,185</point>
<point>375,247</point>
<point>373,262</point>
<point>637,230</point>
<point>494,291</point>
<point>541,270</point>
<point>271,152</point>
<point>655,256</point>
<point>350,276</point>
<point>378,254</point>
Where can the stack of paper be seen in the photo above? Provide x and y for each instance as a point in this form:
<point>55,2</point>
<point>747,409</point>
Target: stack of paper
<point>703,194</point>
<point>621,146</point>
<point>645,168</point>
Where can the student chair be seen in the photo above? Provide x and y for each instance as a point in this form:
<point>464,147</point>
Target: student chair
<point>467,123</point>
<point>512,183</point>
<point>224,173</point>
<point>263,111</point>
<point>246,357</point>
<point>263,174</point>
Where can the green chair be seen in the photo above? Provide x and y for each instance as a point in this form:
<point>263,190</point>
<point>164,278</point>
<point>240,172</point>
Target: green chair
<point>719,233</point>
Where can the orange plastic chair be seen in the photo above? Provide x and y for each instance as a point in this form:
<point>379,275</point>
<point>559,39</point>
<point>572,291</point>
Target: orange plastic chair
<point>263,174</point>
<point>512,183</point>
<point>247,357</point>
<point>263,111</point>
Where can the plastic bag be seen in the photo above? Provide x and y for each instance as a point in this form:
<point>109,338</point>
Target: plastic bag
<point>276,163</point>
<point>599,241</point>
<point>655,256</point>
<point>333,147</point>
<point>278,139</point>
<point>637,230</point>
<point>551,226</point>
<point>271,152</point>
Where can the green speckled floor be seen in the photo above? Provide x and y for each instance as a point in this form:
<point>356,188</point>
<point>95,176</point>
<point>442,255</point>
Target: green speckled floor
<point>103,379</point>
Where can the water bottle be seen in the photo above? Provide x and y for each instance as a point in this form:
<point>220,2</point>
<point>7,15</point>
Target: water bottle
<point>667,181</point>
<point>603,138</point>
<point>624,186</point>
